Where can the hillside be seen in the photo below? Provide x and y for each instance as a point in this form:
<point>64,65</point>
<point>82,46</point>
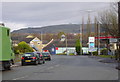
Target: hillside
<point>67,28</point>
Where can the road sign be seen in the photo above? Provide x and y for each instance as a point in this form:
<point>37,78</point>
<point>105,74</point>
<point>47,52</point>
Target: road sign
<point>91,39</point>
<point>91,45</point>
<point>113,40</point>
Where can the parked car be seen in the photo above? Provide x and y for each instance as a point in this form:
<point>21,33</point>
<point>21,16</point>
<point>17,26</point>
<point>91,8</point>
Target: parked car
<point>41,58</point>
<point>30,58</point>
<point>46,56</point>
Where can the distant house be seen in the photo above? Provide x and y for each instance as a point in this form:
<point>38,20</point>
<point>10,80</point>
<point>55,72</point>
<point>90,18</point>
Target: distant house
<point>36,44</point>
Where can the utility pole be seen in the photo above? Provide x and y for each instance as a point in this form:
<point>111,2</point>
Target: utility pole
<point>88,25</point>
<point>41,41</point>
<point>98,41</point>
<point>82,34</point>
<point>80,39</point>
<point>66,44</point>
<point>82,28</point>
<point>119,27</point>
<point>95,29</point>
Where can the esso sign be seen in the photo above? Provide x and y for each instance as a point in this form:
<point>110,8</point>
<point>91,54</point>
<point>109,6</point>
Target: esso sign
<point>91,39</point>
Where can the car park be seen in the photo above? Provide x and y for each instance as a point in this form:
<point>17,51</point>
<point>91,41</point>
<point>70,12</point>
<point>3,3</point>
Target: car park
<point>30,58</point>
<point>46,56</point>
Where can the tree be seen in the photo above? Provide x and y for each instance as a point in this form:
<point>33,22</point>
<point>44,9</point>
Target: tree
<point>16,50</point>
<point>61,33</point>
<point>109,20</point>
<point>78,47</point>
<point>24,47</point>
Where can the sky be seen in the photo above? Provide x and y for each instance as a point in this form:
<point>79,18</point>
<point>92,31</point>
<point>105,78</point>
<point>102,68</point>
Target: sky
<point>17,15</point>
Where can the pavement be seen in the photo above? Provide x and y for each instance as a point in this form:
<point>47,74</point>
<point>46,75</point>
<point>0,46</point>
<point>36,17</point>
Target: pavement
<point>111,61</point>
<point>17,64</point>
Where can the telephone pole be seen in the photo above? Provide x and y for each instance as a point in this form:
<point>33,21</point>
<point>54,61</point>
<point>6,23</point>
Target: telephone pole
<point>119,27</point>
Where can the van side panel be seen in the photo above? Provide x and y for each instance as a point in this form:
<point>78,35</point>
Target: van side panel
<point>0,43</point>
<point>6,44</point>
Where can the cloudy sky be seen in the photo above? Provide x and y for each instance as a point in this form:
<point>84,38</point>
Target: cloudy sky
<point>18,15</point>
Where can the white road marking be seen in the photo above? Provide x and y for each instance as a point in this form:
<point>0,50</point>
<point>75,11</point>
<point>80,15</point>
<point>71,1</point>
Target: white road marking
<point>20,77</point>
<point>57,65</point>
<point>27,75</point>
<point>50,68</point>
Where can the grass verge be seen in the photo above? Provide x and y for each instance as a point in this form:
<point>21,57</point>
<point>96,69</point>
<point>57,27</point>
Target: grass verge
<point>106,56</point>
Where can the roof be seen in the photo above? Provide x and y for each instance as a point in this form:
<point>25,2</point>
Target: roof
<point>30,36</point>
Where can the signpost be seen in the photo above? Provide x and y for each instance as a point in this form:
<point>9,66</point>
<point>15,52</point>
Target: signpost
<point>91,44</point>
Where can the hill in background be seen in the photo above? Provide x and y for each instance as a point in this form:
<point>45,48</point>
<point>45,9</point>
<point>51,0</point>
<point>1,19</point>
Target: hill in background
<point>67,28</point>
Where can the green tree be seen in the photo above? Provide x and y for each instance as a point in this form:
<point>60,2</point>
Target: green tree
<point>24,47</point>
<point>61,33</point>
<point>16,50</point>
<point>78,47</point>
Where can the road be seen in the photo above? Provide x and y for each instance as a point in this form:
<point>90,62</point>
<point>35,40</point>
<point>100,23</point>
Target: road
<point>64,68</point>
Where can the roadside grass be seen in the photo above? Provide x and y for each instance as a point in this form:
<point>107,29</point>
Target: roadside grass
<point>106,56</point>
<point>61,54</point>
<point>71,54</point>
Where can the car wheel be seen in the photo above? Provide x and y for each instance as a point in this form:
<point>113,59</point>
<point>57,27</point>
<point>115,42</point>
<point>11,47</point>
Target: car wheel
<point>23,64</point>
<point>49,59</point>
<point>43,62</point>
<point>36,62</point>
<point>39,62</point>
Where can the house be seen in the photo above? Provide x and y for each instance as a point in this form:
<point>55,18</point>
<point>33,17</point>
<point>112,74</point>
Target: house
<point>36,44</point>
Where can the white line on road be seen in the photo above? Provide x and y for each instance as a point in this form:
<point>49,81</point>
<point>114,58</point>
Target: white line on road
<point>50,68</point>
<point>54,66</point>
<point>20,78</point>
<point>57,65</point>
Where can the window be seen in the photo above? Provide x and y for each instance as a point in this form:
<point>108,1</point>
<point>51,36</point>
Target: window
<point>8,32</point>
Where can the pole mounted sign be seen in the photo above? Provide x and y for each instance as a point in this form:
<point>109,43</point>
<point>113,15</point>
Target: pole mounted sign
<point>91,44</point>
<point>91,39</point>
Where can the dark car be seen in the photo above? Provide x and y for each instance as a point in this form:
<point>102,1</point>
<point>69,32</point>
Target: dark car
<point>30,58</point>
<point>46,55</point>
<point>42,60</point>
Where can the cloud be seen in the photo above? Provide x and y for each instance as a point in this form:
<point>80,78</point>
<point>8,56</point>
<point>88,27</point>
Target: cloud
<point>48,13</point>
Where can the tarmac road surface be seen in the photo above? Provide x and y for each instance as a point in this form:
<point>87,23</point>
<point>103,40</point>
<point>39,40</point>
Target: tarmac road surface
<point>64,68</point>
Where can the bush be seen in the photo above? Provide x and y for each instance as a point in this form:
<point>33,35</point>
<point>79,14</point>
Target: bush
<point>78,47</point>
<point>16,50</point>
<point>104,51</point>
<point>61,54</point>
<point>23,47</point>
<point>95,53</point>
<point>71,54</point>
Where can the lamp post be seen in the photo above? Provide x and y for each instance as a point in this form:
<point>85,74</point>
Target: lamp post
<point>66,45</point>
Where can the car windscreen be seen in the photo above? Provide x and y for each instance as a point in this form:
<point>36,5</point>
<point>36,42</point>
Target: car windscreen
<point>45,54</point>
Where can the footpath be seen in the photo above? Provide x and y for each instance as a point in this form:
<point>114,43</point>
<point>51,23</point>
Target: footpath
<point>109,61</point>
<point>16,64</point>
